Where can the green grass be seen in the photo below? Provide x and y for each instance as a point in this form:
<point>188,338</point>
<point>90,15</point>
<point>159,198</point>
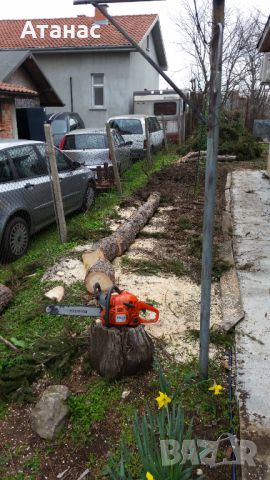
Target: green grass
<point>153,267</point>
<point>184,223</point>
<point>91,407</point>
<point>25,318</point>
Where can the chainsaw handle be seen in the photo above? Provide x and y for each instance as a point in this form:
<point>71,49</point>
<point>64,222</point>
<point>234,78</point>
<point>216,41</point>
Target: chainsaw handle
<point>150,308</point>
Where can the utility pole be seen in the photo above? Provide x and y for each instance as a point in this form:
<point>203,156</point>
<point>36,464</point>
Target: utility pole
<point>210,180</point>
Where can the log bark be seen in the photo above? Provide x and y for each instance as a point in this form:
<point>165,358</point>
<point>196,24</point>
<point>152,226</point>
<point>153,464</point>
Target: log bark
<point>117,352</point>
<point>120,241</point>
<point>101,272</point>
<point>5,297</point>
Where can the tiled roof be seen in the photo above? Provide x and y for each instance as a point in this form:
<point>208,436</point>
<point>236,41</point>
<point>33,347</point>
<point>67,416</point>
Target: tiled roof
<point>12,88</point>
<point>136,25</point>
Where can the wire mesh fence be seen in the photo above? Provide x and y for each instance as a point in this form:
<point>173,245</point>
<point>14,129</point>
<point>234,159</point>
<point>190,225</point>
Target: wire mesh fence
<point>28,201</point>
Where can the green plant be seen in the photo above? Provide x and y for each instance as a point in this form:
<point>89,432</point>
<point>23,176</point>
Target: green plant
<point>184,223</point>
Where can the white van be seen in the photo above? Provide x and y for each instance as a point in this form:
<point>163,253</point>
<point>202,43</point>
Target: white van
<point>132,128</point>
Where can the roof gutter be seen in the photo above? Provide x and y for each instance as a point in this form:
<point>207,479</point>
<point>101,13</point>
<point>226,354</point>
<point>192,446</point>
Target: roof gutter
<point>106,48</point>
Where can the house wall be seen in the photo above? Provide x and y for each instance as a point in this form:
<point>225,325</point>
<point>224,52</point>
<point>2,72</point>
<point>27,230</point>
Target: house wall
<point>142,74</point>
<point>21,77</point>
<point>123,72</point>
<point>7,127</point>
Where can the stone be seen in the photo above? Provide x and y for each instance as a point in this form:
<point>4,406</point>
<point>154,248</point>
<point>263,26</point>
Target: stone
<point>49,415</point>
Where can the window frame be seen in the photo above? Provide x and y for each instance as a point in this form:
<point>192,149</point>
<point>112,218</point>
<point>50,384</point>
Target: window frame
<point>16,176</point>
<point>97,85</point>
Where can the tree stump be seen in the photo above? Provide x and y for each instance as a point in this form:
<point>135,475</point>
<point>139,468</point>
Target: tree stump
<point>118,352</point>
<point>5,296</point>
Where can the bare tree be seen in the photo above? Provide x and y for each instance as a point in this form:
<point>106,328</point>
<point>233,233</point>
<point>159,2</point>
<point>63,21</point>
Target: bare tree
<point>241,61</point>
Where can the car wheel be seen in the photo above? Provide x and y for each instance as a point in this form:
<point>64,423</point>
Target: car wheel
<point>89,197</point>
<point>15,239</point>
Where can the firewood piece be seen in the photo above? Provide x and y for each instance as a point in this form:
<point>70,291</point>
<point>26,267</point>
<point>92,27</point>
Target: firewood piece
<point>56,293</point>
<point>5,296</point>
<point>90,258</point>
<point>118,352</point>
<point>101,272</point>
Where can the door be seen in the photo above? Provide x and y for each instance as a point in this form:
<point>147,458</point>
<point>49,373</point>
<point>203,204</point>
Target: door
<point>32,184</point>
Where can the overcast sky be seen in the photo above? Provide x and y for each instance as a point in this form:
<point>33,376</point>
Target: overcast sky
<point>178,62</point>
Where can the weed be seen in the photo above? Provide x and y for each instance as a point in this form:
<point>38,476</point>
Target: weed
<point>219,267</point>
<point>184,223</point>
<point>195,247</point>
<point>216,337</point>
<point>153,267</point>
<point>142,267</point>
<point>92,406</point>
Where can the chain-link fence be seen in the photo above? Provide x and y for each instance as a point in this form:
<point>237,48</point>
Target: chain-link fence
<point>32,190</point>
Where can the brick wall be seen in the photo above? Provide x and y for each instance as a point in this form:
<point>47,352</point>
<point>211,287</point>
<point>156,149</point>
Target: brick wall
<point>6,124</point>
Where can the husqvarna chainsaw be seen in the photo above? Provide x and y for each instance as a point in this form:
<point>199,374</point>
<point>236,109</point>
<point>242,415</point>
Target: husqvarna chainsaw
<point>115,309</point>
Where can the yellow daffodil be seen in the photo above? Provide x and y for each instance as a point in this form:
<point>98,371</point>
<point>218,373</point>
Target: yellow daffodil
<point>149,476</point>
<point>163,400</point>
<point>216,389</point>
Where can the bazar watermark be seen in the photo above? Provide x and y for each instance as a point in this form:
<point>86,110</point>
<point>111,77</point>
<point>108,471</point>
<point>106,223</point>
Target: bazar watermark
<point>206,452</point>
<point>60,31</point>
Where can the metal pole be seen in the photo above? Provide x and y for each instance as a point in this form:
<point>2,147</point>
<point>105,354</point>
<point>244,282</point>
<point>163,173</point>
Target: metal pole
<point>142,52</point>
<point>210,181</point>
<point>114,160</point>
<point>55,182</point>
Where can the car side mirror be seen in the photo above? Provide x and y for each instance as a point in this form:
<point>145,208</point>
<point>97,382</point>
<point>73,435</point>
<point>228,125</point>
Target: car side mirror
<point>128,144</point>
<point>76,165</point>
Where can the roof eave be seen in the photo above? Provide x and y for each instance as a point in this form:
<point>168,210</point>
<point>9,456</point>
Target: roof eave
<point>109,48</point>
<point>159,43</point>
<point>264,42</point>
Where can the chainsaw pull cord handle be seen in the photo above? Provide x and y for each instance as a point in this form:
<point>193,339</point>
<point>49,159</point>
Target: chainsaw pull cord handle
<point>107,304</point>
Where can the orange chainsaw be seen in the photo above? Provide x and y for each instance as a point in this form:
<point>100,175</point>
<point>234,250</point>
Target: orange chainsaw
<point>116,308</point>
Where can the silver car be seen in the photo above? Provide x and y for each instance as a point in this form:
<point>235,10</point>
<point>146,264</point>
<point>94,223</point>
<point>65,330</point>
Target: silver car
<point>90,146</point>
<point>133,128</point>
<point>26,202</point>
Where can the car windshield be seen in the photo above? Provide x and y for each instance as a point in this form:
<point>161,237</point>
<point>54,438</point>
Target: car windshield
<point>59,127</point>
<point>127,126</point>
<point>86,142</point>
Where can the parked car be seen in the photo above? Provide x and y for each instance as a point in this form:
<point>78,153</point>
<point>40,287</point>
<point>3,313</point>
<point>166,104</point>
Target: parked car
<point>90,146</point>
<point>63,123</point>
<point>26,202</point>
<point>132,127</point>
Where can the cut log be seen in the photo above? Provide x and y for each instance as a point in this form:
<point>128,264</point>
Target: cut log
<point>5,296</point>
<point>101,272</point>
<point>117,352</point>
<point>120,241</point>
<point>90,258</point>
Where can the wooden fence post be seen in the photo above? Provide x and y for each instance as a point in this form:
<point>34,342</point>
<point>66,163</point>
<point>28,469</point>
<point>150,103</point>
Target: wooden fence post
<point>164,132</point>
<point>113,157</point>
<point>148,145</point>
<point>55,182</point>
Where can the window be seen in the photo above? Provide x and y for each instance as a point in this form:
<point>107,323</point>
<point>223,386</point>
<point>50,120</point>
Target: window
<point>127,126</point>
<point>85,142</point>
<point>97,90</point>
<point>5,171</point>
<point>148,42</point>
<point>27,162</point>
<point>165,108</point>
<point>63,163</point>
<point>59,126</point>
